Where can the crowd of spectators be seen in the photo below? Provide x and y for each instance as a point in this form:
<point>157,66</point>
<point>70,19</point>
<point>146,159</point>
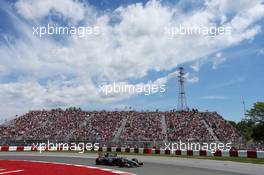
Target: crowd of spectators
<point>99,126</point>
<point>75,124</point>
<point>41,125</point>
<point>142,126</point>
<point>223,130</point>
<point>186,126</point>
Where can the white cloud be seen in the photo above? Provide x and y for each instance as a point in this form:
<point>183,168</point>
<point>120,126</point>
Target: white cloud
<point>198,64</point>
<point>226,6</point>
<point>230,82</point>
<point>165,79</point>
<point>191,79</point>
<point>69,9</point>
<point>218,59</point>
<point>213,97</point>
<point>128,49</point>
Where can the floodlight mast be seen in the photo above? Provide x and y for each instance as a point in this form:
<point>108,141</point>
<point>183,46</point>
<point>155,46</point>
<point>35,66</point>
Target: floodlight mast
<point>182,102</point>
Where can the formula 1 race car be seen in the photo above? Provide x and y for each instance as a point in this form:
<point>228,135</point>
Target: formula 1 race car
<point>114,160</point>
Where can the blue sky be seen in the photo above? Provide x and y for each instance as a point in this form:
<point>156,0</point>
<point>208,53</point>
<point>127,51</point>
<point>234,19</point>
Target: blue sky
<point>241,76</point>
<point>62,71</point>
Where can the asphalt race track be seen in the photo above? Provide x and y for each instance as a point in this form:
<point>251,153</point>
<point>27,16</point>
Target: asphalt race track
<point>152,165</point>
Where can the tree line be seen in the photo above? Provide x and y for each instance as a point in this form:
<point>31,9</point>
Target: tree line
<point>252,125</point>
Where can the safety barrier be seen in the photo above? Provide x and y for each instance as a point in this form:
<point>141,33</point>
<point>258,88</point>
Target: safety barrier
<point>226,153</point>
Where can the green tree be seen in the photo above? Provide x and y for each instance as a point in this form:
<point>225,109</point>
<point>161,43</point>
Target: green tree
<point>256,113</point>
<point>258,132</point>
<point>245,127</point>
<point>232,123</point>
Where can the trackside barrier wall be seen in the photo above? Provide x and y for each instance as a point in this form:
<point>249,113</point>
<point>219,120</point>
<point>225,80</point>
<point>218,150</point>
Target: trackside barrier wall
<point>231,153</point>
<point>13,148</point>
<point>27,148</point>
<point>260,154</point>
<point>196,153</point>
<point>209,153</point>
<point>225,153</point>
<point>242,153</point>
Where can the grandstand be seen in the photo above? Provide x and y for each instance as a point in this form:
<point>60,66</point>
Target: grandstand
<point>117,127</point>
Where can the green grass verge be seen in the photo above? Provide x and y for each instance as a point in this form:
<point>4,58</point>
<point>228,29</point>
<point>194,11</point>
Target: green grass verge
<point>235,159</point>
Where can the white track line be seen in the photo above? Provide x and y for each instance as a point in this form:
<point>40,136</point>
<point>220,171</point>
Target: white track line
<point>10,172</point>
